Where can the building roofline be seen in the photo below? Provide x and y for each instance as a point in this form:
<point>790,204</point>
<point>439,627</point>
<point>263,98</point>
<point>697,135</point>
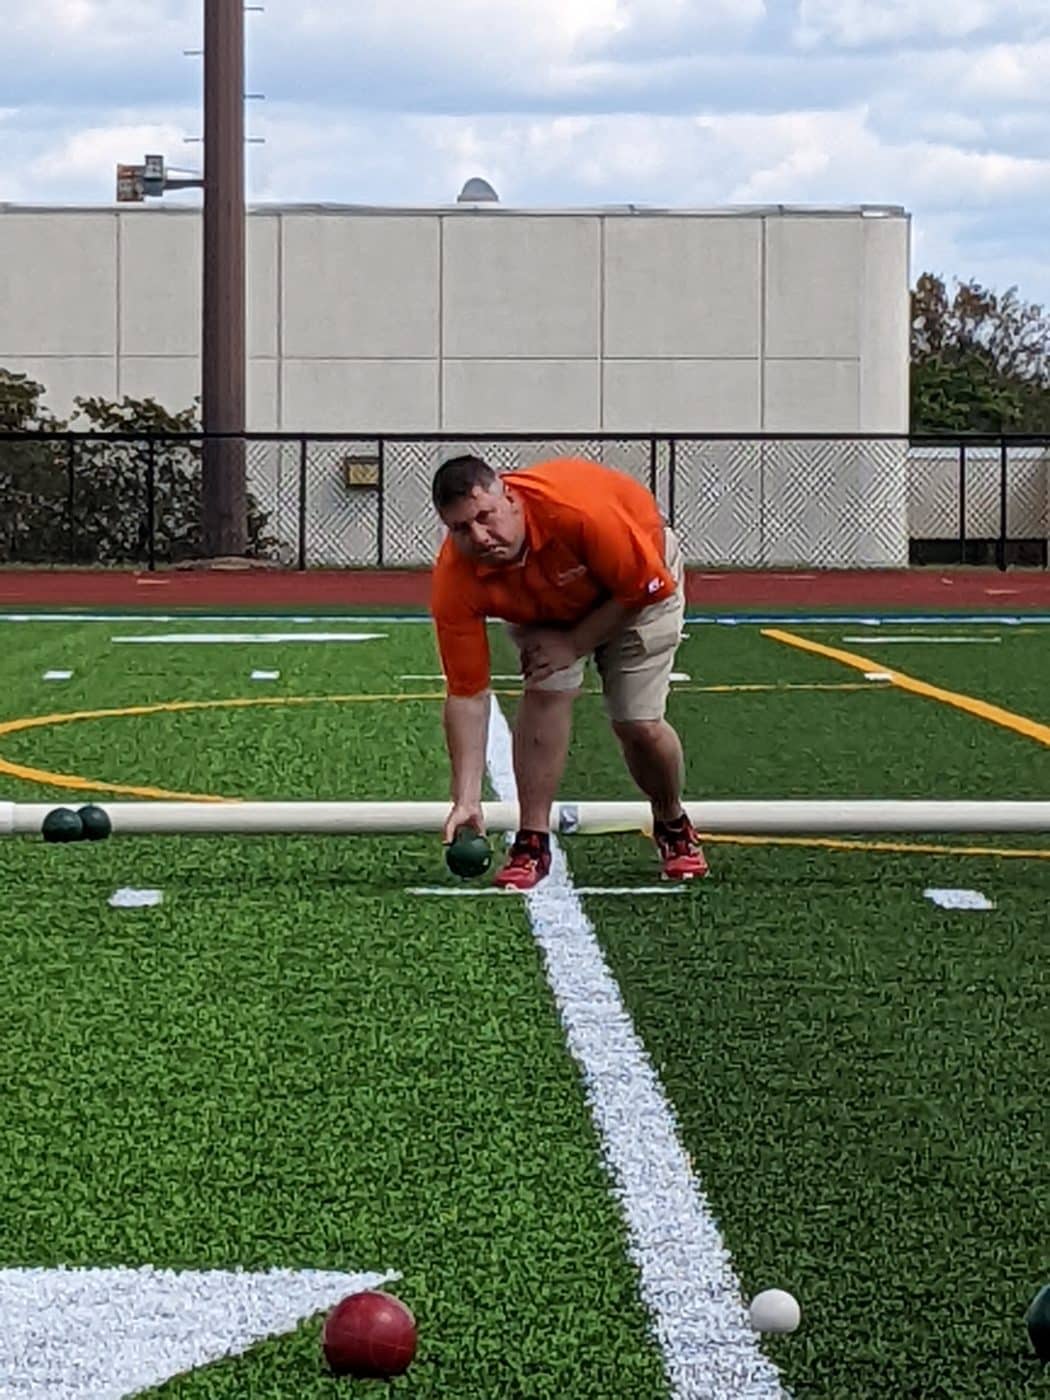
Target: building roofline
<point>488,209</point>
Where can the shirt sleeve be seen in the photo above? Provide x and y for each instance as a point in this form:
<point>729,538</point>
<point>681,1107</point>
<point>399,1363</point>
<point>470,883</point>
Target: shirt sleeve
<point>623,557</point>
<point>462,637</point>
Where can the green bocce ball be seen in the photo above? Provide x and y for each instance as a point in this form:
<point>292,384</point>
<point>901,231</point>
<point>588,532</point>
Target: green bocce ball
<point>469,854</point>
<point>95,821</point>
<point>62,824</point>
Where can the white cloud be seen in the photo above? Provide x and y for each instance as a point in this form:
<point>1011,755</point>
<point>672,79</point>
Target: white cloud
<point>86,154</point>
<point>465,32</point>
<point>998,73</point>
<point>852,23</point>
<point>950,127</point>
<point>105,24</point>
<point>820,155</point>
<point>69,161</point>
<point>643,28</point>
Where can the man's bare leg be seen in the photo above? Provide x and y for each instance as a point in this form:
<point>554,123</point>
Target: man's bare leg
<point>542,730</point>
<point>654,758</point>
<point>653,753</point>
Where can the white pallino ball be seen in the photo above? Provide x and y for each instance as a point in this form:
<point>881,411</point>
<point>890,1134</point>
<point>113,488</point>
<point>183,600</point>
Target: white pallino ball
<point>773,1310</point>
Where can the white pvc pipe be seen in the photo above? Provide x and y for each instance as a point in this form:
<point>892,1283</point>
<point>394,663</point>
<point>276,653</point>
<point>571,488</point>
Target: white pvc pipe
<point>825,816</point>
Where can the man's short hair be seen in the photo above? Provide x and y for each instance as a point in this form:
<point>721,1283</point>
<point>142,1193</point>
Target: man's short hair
<point>457,478</point>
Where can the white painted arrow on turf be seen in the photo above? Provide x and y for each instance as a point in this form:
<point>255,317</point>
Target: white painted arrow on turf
<point>105,1334</point>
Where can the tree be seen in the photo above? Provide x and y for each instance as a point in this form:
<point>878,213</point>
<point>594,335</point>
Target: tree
<point>79,501</point>
<point>124,471</point>
<point>979,362</point>
<point>33,474</point>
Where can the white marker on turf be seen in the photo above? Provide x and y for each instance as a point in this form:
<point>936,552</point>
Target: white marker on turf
<point>57,675</point>
<point>107,1333</point>
<point>135,899</point>
<point>959,899</point>
<point>686,1277</point>
<point>265,675</point>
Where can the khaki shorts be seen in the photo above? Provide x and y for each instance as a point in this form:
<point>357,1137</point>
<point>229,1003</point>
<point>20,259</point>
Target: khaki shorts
<point>635,665</point>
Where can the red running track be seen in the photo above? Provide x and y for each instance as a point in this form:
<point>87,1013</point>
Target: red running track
<point>929,590</point>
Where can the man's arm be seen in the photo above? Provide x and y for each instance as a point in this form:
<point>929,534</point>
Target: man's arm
<point>464,649</point>
<point>550,649</point>
<point>466,735</point>
<point>600,624</point>
<point>631,570</point>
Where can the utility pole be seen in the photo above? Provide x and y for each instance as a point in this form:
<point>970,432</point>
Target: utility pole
<point>223,339</point>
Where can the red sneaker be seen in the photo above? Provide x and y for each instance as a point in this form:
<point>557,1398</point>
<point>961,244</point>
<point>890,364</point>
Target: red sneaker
<point>680,850</point>
<point>529,862</point>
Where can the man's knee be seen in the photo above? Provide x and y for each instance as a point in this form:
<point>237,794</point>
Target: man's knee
<point>550,697</point>
<point>638,733</point>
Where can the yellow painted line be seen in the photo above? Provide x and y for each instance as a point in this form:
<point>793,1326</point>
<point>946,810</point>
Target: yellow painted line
<point>834,843</point>
<point>77,783</point>
<point>887,847</point>
<point>764,686</point>
<point>980,709</point>
<point>780,686</point>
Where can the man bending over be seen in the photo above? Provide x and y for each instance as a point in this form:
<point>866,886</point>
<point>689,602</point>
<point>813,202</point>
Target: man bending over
<point>575,557</point>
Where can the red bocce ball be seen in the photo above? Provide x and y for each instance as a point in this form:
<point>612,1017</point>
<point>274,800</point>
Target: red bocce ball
<point>370,1335</point>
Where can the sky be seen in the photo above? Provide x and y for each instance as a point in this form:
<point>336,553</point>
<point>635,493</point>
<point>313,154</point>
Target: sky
<point>942,107</point>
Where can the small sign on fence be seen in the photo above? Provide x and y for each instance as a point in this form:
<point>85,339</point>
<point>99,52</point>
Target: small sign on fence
<point>361,470</point>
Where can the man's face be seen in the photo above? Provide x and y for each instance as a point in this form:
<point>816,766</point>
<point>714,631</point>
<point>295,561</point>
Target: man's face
<point>488,525</point>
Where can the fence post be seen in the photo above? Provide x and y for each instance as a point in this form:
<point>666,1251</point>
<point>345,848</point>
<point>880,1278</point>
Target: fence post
<point>302,503</point>
<point>380,505</point>
<point>70,499</point>
<point>151,502</point>
<point>1001,548</point>
<point>962,503</point>
<point>672,466</point>
<point>652,466</point>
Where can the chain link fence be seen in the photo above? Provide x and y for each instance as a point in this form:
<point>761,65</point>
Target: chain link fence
<point>762,501</point>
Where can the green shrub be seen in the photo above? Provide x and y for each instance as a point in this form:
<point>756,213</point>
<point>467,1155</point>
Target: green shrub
<point>110,492</point>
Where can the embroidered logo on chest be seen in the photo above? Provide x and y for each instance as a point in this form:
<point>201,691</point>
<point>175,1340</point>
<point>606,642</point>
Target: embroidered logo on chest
<point>567,575</point>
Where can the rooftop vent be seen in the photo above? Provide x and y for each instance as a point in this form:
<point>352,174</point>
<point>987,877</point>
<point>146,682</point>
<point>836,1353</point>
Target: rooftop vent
<point>477,191</point>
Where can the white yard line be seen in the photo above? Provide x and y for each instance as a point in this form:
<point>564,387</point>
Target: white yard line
<point>917,640</point>
<point>581,889</point>
<point>245,619</point>
<point>687,1281</point>
<point>255,638</point>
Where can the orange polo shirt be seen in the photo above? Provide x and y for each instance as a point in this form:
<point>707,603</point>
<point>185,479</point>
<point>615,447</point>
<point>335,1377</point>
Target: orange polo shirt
<point>591,533</point>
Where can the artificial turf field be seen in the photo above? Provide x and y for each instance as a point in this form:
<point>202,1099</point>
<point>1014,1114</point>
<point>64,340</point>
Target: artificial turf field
<point>295,1062</point>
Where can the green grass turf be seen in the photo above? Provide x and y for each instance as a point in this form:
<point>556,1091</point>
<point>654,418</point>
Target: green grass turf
<point>855,1070</point>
